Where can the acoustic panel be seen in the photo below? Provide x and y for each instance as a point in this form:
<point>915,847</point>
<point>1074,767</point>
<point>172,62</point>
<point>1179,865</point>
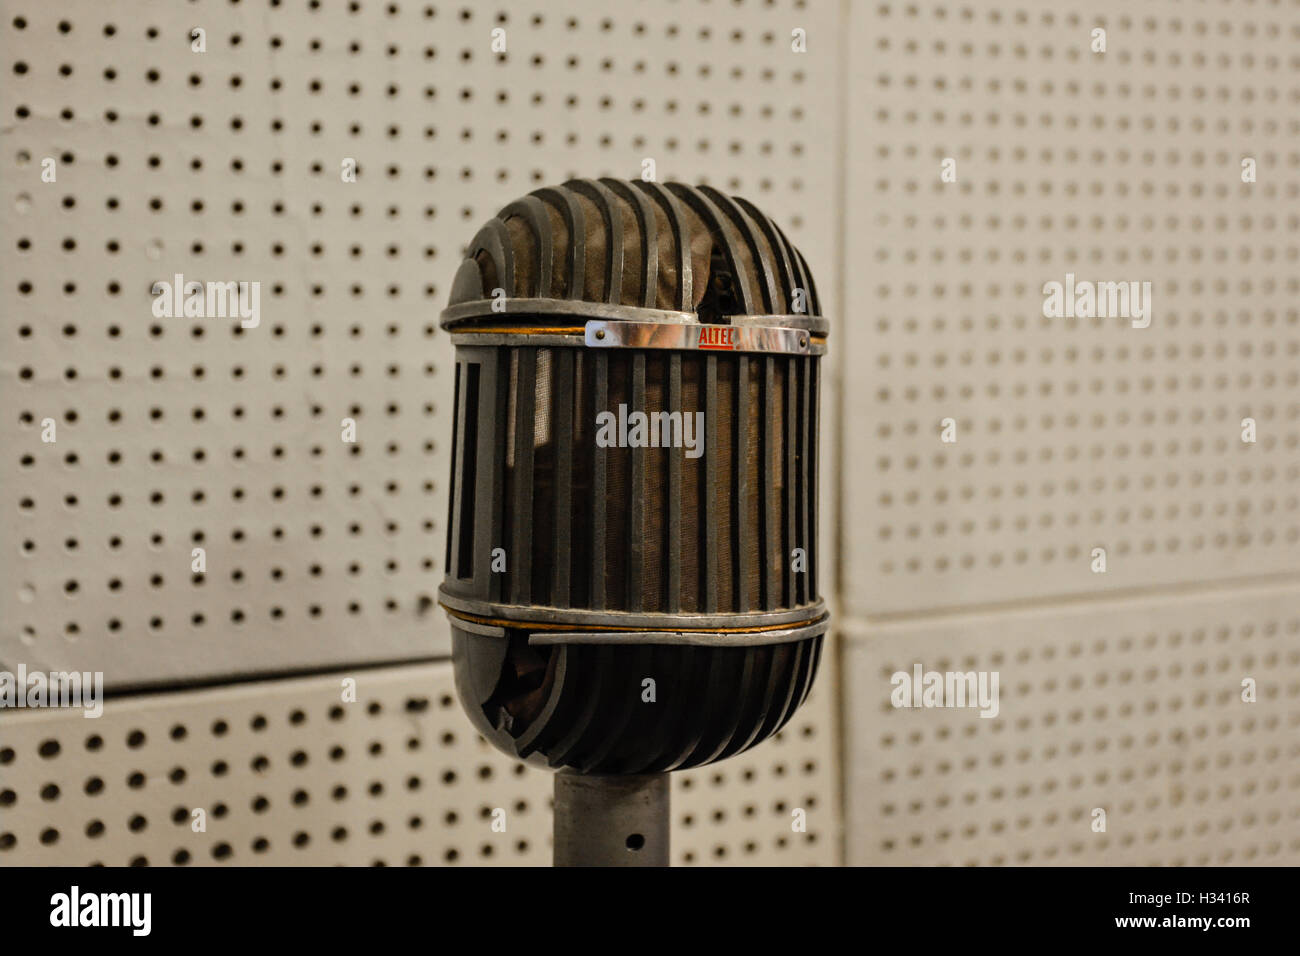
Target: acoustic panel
<point>990,448</point>
<point>303,772</point>
<point>1137,709</point>
<point>233,164</point>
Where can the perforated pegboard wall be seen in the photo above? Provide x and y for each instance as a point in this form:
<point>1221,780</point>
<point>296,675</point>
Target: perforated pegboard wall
<point>1135,710</point>
<point>226,165</point>
<point>1071,433</point>
<point>178,433</point>
<point>992,150</point>
<point>1122,688</point>
<point>286,773</point>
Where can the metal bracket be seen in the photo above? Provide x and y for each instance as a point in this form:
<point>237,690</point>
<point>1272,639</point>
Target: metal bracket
<point>610,333</point>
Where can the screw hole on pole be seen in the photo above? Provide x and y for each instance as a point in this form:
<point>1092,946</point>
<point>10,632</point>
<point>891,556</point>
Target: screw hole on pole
<point>635,841</point>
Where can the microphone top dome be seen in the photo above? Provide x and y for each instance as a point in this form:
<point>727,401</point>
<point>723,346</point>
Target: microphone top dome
<point>631,249</point>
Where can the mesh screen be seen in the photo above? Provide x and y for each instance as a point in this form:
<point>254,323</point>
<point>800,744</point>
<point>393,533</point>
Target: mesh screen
<point>508,484</point>
<point>654,578</point>
<point>716,504</point>
<point>617,466</point>
<point>692,489</point>
<point>582,502</point>
<point>544,474</point>
<point>739,542</point>
<point>749,450</point>
<point>775,544</point>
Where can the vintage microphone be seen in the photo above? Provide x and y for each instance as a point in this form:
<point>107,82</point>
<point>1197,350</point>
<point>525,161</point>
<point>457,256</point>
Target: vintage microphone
<point>632,532</point>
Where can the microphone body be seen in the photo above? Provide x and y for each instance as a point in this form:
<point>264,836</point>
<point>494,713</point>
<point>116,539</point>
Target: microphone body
<point>632,533</point>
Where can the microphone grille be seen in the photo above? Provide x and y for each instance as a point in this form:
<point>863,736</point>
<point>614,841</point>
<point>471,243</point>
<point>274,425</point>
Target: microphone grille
<point>666,246</point>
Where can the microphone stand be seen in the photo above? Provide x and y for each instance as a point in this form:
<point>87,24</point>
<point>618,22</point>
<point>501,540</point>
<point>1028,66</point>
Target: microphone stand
<point>611,820</point>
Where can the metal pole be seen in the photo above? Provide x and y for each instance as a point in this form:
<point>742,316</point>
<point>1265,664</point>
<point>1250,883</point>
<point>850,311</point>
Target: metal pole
<point>611,820</point>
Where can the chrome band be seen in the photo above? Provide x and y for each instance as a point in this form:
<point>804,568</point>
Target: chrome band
<point>783,635</point>
<point>524,615</point>
<point>561,311</point>
<point>534,339</point>
<point>818,325</point>
<point>604,333</point>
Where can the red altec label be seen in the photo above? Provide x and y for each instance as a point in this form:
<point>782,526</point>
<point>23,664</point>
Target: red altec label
<point>717,337</point>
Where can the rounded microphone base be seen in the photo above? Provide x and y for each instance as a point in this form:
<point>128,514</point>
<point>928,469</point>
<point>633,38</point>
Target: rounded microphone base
<point>628,708</point>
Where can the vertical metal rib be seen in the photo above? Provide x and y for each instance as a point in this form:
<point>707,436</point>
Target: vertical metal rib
<point>814,300</point>
<point>800,275</point>
<point>740,500</point>
<point>709,493</point>
<point>785,659</point>
<point>598,671</point>
<point>798,677</point>
<point>454,491</point>
<point>769,512</point>
<point>534,211</point>
<point>791,509</point>
<point>568,675</point>
<point>601,386</point>
<point>684,671</point>
<point>681,239</point>
<point>576,247</point>
<point>749,232</point>
<point>780,251</point>
<point>652,734</point>
<point>727,704</point>
<point>520,559</point>
<point>672,547</point>
<point>615,238</point>
<point>648,227</point>
<point>817,643</point>
<point>500,366</point>
<point>814,371</point>
<point>804,682</point>
<point>495,241</point>
<point>471,513</point>
<point>562,394</point>
<point>768,674</point>
<point>713,218</point>
<point>625,699</point>
<point>804,542</point>
<point>711,678</point>
<point>636,504</point>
